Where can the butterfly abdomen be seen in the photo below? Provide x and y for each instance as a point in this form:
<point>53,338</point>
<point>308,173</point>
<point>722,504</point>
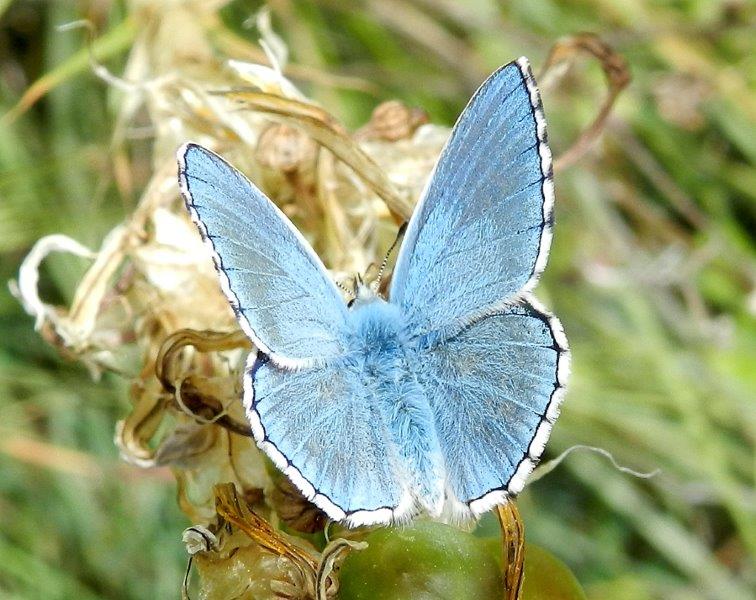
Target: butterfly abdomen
<point>383,357</point>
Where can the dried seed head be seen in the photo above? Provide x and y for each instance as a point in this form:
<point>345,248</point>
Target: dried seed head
<point>152,297</point>
<point>285,148</point>
<point>393,120</point>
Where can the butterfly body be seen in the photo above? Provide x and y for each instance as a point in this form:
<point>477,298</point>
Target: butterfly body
<point>439,399</point>
<point>383,358</point>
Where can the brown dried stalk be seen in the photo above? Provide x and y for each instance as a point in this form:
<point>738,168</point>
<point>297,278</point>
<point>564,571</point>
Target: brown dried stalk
<point>231,508</point>
<point>316,570</point>
<point>326,130</point>
<point>203,341</point>
<point>513,537</point>
<point>565,52</point>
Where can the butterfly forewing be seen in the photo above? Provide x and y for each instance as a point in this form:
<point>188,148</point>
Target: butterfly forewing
<point>277,286</point>
<point>481,232</point>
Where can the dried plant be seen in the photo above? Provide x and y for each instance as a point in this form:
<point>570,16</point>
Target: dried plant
<point>150,308</point>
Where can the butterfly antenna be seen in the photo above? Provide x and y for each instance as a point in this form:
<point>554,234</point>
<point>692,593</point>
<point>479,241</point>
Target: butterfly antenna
<point>344,288</point>
<point>384,264</point>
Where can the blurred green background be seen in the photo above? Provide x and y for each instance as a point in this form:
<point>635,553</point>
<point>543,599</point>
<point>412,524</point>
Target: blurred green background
<point>652,273</point>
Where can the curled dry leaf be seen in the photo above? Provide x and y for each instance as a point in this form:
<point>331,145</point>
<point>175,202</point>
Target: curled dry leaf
<point>333,554</point>
<point>28,276</point>
<point>199,539</point>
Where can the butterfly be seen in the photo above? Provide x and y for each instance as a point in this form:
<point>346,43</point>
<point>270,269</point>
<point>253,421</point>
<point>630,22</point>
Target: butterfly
<point>439,399</point>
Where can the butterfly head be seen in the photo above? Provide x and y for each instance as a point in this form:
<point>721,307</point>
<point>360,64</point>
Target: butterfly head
<point>363,292</point>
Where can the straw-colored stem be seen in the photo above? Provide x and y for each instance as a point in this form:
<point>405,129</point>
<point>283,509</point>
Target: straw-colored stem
<point>513,539</point>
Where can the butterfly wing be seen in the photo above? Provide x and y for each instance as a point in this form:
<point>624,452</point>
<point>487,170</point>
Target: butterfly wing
<point>495,370</point>
<point>485,217</point>
<point>308,418</point>
<point>321,429</point>
<point>494,390</point>
<point>276,284</point>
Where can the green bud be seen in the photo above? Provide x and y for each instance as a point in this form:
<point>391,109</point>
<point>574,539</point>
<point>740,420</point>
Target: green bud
<point>548,578</point>
<point>545,578</point>
<point>423,561</point>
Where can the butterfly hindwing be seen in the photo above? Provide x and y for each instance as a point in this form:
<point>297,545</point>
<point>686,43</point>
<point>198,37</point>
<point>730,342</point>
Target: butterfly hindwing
<point>485,217</point>
<point>494,389</point>
<point>322,429</point>
<point>276,284</point>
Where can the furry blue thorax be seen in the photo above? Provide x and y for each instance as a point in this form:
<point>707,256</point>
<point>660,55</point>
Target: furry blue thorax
<point>379,329</point>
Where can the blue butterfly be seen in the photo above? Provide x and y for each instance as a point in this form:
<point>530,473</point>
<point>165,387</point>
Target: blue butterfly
<point>439,399</point>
